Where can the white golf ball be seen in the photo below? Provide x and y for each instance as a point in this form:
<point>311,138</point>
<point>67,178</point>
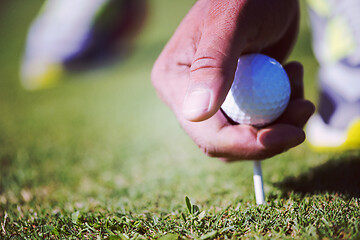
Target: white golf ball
<point>260,91</point>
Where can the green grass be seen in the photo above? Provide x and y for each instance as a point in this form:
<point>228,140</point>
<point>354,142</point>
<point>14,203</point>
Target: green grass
<point>100,156</point>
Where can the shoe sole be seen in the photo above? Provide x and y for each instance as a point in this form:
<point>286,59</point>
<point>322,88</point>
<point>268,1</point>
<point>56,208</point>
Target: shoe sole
<point>322,138</point>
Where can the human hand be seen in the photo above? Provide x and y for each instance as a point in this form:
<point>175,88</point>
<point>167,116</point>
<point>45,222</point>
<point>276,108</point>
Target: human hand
<point>194,73</point>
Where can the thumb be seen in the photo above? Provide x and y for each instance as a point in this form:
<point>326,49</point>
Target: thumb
<point>211,74</point>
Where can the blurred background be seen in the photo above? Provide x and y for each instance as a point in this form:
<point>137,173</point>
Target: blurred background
<point>101,137</point>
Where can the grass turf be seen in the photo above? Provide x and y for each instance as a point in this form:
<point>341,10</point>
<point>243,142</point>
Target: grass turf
<point>100,156</point>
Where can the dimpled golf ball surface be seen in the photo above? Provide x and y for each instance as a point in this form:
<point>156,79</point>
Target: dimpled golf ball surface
<point>260,91</point>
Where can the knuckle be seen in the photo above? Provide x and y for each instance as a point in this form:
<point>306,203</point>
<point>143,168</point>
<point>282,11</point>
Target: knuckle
<point>205,62</point>
<point>208,152</point>
<point>206,148</point>
<point>208,58</point>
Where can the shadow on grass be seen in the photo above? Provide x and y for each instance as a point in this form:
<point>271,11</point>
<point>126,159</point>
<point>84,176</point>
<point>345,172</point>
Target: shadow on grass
<point>338,175</point>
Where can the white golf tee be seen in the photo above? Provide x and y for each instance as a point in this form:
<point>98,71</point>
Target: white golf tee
<point>258,183</point>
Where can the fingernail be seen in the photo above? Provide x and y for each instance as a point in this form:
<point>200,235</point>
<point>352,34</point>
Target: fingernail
<point>196,103</point>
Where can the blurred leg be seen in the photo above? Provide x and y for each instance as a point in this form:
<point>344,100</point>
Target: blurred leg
<point>336,43</point>
<point>78,35</point>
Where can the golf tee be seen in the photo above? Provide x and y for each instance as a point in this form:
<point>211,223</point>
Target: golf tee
<point>258,183</point>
